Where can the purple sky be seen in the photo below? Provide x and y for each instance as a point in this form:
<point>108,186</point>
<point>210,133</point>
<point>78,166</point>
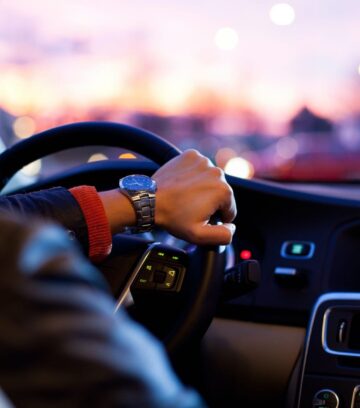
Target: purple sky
<point>160,56</point>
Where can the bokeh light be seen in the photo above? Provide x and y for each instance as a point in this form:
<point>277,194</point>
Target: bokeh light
<point>287,147</point>
<point>24,127</point>
<point>127,155</point>
<point>226,38</point>
<point>239,167</point>
<point>32,169</point>
<point>282,14</point>
<point>97,157</point>
<point>223,155</point>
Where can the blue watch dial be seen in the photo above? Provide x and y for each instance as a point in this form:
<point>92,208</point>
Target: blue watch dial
<point>137,182</point>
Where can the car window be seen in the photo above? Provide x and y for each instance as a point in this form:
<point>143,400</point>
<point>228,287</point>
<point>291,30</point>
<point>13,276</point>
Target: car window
<point>263,88</point>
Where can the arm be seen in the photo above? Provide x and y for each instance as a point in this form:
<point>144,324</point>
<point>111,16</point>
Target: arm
<point>57,316</point>
<point>60,343</point>
<point>190,191</point>
<point>56,204</point>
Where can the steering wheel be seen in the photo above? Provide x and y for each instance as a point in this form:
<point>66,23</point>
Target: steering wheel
<point>177,316</point>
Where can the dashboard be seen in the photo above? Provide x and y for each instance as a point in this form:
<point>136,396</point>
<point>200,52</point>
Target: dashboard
<point>306,239</point>
<point>266,346</point>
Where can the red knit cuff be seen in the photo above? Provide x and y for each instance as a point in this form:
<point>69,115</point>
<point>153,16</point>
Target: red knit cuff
<point>99,233</point>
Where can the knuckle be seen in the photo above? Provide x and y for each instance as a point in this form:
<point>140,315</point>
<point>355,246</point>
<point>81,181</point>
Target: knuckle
<point>227,192</point>
<point>191,154</point>
<point>216,172</point>
<point>206,163</point>
<point>202,163</point>
<point>234,212</point>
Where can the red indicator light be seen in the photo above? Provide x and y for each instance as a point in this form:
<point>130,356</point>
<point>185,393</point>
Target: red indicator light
<point>245,254</point>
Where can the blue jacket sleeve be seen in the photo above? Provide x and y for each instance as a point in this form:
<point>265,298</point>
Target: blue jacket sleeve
<point>61,344</point>
<point>55,204</point>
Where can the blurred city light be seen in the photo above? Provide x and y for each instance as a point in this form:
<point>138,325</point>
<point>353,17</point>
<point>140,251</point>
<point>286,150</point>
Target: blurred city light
<point>226,38</point>
<point>24,127</point>
<point>127,155</point>
<point>179,81</point>
<point>239,167</point>
<point>282,14</point>
<point>32,169</point>
<point>223,155</point>
<point>97,157</point>
<point>287,147</point>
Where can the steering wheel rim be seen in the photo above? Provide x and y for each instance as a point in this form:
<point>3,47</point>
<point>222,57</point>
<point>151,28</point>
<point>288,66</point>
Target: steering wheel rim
<point>197,314</point>
<point>81,134</point>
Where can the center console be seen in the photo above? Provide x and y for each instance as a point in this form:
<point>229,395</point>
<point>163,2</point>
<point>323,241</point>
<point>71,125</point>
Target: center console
<point>330,368</point>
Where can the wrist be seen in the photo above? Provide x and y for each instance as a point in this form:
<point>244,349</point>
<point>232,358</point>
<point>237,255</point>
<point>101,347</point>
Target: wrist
<point>118,209</point>
<point>160,208</point>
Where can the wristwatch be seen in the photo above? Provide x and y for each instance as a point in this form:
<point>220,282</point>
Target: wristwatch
<point>140,190</point>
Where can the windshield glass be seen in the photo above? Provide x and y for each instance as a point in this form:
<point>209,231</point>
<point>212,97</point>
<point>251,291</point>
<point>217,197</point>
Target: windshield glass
<point>265,89</point>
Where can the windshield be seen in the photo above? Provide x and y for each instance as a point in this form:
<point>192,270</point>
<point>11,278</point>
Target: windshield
<point>265,89</point>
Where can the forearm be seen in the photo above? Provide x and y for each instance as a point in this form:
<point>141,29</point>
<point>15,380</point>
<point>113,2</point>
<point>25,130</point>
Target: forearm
<point>190,191</point>
<point>90,216</point>
<point>119,211</point>
<point>56,204</point>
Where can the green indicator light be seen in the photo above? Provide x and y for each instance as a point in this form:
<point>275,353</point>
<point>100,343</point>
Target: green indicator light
<point>175,258</point>
<point>143,280</point>
<point>297,249</point>
<point>161,253</point>
<point>149,267</point>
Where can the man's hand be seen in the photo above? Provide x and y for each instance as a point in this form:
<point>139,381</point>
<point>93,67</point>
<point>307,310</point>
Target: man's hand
<point>190,191</point>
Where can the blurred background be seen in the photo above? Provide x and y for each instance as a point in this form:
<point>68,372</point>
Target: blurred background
<point>265,89</point>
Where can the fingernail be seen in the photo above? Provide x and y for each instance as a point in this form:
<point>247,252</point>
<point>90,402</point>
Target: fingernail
<point>233,227</point>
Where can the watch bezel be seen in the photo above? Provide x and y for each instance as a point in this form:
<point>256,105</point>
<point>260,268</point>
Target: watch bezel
<point>143,183</point>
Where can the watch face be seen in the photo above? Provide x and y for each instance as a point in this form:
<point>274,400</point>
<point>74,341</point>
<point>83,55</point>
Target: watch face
<point>137,182</point>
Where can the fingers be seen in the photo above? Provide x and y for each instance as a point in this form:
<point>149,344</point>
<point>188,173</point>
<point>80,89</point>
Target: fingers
<point>226,199</point>
<point>190,190</point>
<point>213,234</point>
<point>228,208</point>
<point>216,176</point>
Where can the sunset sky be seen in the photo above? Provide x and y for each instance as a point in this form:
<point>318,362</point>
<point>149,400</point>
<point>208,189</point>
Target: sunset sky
<point>168,57</point>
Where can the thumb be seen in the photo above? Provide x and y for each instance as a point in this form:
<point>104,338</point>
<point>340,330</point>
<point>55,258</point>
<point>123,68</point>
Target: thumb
<point>220,234</point>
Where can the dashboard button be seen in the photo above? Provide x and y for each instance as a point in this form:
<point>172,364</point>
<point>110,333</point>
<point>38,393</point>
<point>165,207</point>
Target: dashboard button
<point>159,276</point>
<point>325,399</point>
<point>146,276</point>
<point>165,255</point>
<point>170,277</point>
<point>280,271</point>
<point>297,249</point>
<point>291,277</point>
<point>144,281</point>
